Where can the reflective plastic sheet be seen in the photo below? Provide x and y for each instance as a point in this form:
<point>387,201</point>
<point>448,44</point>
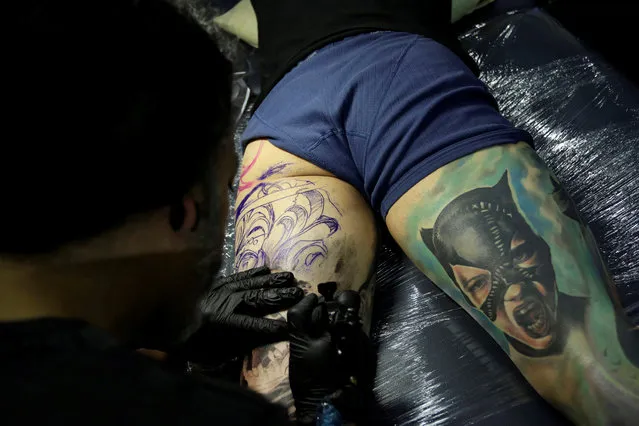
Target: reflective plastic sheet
<point>435,364</point>
<point>584,118</point>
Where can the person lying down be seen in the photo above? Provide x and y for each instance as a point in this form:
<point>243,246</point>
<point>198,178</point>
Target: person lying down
<point>372,110</point>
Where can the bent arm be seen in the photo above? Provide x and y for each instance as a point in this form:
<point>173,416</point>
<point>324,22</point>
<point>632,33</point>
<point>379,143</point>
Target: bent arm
<point>497,233</point>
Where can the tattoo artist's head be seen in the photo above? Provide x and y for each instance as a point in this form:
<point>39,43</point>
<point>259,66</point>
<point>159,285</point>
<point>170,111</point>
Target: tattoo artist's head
<point>500,265</point>
<point>117,115</point>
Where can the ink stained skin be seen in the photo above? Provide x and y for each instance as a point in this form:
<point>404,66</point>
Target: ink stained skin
<point>283,225</point>
<point>501,265</point>
<point>504,269</point>
<point>270,364</point>
<point>273,223</point>
<point>272,170</point>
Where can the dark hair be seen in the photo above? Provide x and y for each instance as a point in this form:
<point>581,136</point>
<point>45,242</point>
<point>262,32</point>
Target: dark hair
<point>114,107</point>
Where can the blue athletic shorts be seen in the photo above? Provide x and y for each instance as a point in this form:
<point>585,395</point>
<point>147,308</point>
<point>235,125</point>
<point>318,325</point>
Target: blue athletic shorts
<point>381,111</point>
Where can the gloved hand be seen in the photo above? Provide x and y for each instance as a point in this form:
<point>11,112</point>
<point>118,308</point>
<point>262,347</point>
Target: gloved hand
<point>329,356</point>
<point>313,360</point>
<point>234,325</point>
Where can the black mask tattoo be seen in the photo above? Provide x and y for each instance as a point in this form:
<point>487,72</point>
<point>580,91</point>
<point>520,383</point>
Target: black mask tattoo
<point>485,245</point>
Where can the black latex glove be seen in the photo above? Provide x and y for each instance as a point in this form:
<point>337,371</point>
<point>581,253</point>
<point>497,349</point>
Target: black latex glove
<point>234,325</point>
<point>331,357</point>
<point>314,359</point>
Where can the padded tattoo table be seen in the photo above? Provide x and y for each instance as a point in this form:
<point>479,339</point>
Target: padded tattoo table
<point>435,364</point>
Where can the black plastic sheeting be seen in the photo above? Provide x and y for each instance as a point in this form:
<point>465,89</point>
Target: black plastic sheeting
<point>584,118</point>
<point>435,364</point>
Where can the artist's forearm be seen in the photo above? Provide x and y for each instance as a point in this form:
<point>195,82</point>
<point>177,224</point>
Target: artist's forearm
<point>498,234</point>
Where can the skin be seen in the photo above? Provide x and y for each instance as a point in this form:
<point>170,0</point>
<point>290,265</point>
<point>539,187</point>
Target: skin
<point>574,356</point>
<point>321,229</point>
<point>492,243</point>
<point>558,323</point>
<point>134,281</point>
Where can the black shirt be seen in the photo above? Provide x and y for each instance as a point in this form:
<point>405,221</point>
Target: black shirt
<point>61,372</point>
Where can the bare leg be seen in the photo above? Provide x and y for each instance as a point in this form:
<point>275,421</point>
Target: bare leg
<point>496,231</point>
<point>293,216</point>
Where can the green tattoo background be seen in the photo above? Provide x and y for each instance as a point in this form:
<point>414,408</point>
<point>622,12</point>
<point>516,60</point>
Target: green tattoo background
<point>575,260</point>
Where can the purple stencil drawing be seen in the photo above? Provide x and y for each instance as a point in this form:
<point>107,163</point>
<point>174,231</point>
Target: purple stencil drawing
<point>274,223</point>
<point>277,168</point>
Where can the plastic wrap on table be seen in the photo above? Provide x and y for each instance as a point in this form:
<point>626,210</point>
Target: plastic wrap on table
<point>584,118</point>
<point>435,365</point>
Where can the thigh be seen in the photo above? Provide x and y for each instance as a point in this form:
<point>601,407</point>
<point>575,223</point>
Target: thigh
<point>292,216</point>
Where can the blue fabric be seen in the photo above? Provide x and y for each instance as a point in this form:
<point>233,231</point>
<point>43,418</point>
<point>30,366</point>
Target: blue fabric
<point>381,111</point>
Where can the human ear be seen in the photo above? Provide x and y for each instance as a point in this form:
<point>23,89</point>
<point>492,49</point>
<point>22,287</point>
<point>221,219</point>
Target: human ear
<point>184,215</point>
